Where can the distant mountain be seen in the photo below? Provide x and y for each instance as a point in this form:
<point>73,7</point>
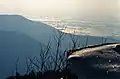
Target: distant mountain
<point>34,29</point>
<point>20,37</point>
<point>14,45</point>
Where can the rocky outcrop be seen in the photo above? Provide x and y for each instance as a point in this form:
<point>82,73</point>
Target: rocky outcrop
<point>96,62</point>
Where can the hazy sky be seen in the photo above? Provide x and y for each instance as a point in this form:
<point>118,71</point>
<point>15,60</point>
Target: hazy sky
<point>59,7</point>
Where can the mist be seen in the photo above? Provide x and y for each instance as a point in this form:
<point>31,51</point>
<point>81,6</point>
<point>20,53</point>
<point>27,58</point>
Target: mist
<point>62,8</point>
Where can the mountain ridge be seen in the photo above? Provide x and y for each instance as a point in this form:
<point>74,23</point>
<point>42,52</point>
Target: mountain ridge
<point>19,34</point>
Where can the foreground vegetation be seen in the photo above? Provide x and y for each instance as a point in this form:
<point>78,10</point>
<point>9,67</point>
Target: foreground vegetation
<point>50,64</point>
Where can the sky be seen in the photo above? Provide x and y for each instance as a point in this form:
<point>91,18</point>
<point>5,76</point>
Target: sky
<point>37,8</point>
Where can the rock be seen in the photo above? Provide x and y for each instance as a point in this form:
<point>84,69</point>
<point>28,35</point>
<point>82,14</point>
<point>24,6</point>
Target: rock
<point>96,62</point>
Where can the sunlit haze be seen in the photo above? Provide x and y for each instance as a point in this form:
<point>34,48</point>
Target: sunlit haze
<point>37,8</point>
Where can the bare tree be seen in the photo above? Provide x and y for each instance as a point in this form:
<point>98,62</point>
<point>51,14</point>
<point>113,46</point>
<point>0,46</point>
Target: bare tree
<point>104,40</point>
<point>53,57</point>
